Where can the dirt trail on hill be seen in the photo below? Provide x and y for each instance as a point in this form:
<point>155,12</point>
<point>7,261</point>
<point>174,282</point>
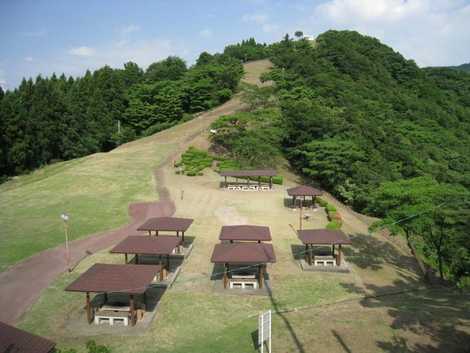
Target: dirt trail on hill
<point>21,284</point>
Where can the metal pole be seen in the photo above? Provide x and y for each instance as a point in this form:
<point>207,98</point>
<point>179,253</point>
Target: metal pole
<point>67,249</point>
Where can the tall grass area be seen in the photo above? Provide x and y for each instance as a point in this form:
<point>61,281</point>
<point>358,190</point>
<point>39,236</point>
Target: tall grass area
<point>95,191</point>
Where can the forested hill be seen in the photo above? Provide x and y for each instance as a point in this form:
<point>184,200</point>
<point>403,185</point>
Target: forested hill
<point>463,67</point>
<point>358,114</point>
<point>356,118</point>
<point>60,118</point>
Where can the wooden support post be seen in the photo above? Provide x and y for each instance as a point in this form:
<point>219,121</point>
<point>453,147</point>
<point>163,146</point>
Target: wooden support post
<point>338,257</point>
<point>132,308</point>
<point>225,184</point>
<point>333,250</point>
<point>125,258</point>
<point>259,181</point>
<point>105,298</point>
<point>89,314</point>
<point>261,276</point>
<point>310,254</point>
<point>306,253</point>
<point>168,263</point>
<point>270,182</point>
<point>150,232</point>
<point>300,214</point>
<point>182,236</point>
<point>136,259</point>
<point>162,270</point>
<point>177,233</point>
<point>156,233</point>
<point>225,276</point>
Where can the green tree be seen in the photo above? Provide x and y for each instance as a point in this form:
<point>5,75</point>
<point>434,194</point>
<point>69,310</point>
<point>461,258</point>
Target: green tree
<point>170,69</point>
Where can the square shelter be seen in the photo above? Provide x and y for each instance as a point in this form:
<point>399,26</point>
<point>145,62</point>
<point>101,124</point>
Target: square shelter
<point>245,233</point>
<point>249,255</point>
<point>303,191</point>
<point>312,237</point>
<point>166,224</point>
<point>247,175</point>
<point>161,246</point>
<point>107,278</point>
<point>14,340</point>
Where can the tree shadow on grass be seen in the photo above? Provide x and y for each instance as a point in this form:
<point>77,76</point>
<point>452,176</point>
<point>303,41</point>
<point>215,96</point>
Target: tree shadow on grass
<point>290,329</point>
<point>436,314</point>
<point>369,252</point>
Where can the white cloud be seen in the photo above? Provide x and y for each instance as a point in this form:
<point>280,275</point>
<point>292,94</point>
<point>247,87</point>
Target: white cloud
<point>28,59</point>
<point>130,29</point>
<point>3,81</point>
<point>205,33</point>
<point>262,20</point>
<point>82,51</point>
<point>256,18</point>
<point>430,32</point>
<point>269,28</point>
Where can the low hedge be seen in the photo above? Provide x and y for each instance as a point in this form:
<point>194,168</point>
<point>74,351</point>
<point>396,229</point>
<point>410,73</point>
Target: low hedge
<point>334,225</point>
<point>332,213</point>
<point>194,161</point>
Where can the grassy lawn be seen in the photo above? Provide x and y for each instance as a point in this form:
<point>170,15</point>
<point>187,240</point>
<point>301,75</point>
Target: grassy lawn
<point>94,190</point>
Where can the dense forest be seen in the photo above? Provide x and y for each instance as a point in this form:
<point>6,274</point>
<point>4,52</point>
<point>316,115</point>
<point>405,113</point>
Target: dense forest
<point>60,118</point>
<point>388,138</point>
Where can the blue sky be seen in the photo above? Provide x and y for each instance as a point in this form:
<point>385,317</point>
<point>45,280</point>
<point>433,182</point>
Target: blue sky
<point>39,36</point>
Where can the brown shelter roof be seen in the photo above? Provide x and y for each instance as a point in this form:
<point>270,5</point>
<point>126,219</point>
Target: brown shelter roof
<point>107,278</point>
<point>173,224</point>
<point>249,173</point>
<point>323,236</point>
<point>13,340</point>
<point>304,190</point>
<point>245,233</point>
<point>161,245</point>
<point>243,253</point>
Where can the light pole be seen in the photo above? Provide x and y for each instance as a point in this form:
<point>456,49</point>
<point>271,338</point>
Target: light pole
<point>65,217</point>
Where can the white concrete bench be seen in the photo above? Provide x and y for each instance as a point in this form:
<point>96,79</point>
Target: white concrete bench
<point>243,283</point>
<point>111,317</point>
<point>324,261</point>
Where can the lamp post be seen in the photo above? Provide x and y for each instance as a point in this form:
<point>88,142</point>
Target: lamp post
<point>65,217</point>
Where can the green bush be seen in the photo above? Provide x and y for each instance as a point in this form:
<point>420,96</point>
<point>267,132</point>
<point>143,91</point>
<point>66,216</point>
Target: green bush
<point>194,161</point>
<point>330,208</point>
<point>321,202</point>
<point>228,164</point>
<point>334,224</point>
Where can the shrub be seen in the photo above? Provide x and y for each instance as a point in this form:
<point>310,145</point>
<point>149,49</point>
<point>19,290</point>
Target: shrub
<point>194,161</point>
<point>334,224</point>
<point>321,202</point>
<point>330,208</point>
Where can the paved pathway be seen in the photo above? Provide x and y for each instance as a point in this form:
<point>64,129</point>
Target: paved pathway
<point>21,284</point>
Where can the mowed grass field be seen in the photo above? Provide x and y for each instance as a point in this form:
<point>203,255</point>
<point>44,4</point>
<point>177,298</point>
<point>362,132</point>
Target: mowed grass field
<point>95,191</point>
<point>312,311</point>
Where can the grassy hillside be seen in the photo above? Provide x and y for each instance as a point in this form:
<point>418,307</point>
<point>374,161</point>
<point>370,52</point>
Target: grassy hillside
<point>94,190</point>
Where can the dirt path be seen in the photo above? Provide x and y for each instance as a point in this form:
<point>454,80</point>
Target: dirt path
<point>21,284</point>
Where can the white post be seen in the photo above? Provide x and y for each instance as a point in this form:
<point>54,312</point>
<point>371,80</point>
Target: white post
<point>261,329</point>
<point>269,341</point>
<point>65,218</point>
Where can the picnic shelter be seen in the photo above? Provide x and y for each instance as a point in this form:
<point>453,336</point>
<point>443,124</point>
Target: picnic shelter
<point>14,340</point>
<point>244,263</point>
<point>132,280</point>
<point>166,224</point>
<point>162,247</point>
<point>323,237</point>
<point>238,233</point>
